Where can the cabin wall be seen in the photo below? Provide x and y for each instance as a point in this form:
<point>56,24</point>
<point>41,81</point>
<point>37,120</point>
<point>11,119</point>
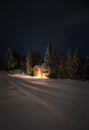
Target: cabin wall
<point>39,73</point>
<point>35,73</point>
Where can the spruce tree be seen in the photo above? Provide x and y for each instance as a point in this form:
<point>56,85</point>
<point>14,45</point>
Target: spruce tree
<point>16,58</point>
<point>2,65</point>
<point>22,62</point>
<point>28,63</point>
<point>69,64</point>
<point>36,58</point>
<point>62,73</point>
<point>76,65</point>
<point>9,60</point>
<point>51,61</point>
<point>81,67</point>
<point>86,69</point>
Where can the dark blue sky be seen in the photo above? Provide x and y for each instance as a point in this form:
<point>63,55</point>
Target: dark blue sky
<point>32,25</point>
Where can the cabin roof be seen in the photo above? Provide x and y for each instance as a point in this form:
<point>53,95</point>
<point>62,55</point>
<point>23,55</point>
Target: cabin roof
<point>39,67</point>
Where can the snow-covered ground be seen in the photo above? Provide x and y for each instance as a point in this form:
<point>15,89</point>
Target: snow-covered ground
<point>24,76</point>
<point>30,103</point>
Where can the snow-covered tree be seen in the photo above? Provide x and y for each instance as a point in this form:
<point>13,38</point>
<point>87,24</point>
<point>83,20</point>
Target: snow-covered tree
<point>28,63</point>
<point>69,64</point>
<point>86,69</point>
<point>9,60</point>
<point>62,73</point>
<point>16,58</point>
<point>76,65</point>
<point>51,61</point>
<point>36,58</point>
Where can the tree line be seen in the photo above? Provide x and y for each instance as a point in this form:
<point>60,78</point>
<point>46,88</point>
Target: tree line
<point>72,66</point>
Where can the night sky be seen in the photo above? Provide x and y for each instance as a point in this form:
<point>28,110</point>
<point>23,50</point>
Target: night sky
<point>32,25</point>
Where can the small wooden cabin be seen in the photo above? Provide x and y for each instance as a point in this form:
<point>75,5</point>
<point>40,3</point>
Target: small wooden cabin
<point>38,71</point>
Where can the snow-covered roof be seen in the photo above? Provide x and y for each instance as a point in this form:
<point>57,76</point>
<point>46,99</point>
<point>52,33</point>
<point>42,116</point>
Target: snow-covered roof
<point>39,66</point>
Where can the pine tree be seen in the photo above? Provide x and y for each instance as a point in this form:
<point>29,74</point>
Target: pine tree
<point>86,69</point>
<point>62,73</point>
<point>2,65</point>
<point>28,63</point>
<point>36,58</point>
<point>81,67</point>
<point>76,65</point>
<point>9,60</point>
<point>69,66</point>
<point>51,62</point>
<point>16,58</point>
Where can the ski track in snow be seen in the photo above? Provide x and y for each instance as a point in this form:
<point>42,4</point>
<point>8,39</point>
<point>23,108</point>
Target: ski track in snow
<point>66,101</point>
<point>35,89</point>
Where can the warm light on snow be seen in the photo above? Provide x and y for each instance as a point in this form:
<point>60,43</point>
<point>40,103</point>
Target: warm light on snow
<point>27,76</point>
